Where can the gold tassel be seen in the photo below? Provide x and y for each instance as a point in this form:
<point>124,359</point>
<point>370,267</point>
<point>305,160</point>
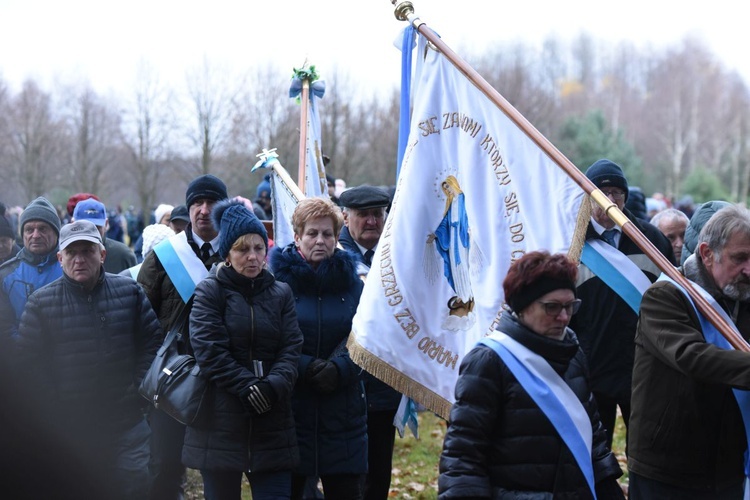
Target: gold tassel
<point>579,235</point>
<point>394,378</point>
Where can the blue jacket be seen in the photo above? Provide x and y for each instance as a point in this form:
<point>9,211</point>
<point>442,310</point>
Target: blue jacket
<point>331,428</point>
<point>380,396</point>
<point>20,277</point>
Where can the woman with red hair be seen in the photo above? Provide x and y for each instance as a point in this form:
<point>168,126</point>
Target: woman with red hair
<point>524,424</point>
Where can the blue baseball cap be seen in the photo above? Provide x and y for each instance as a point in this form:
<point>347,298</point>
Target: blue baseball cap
<point>91,210</point>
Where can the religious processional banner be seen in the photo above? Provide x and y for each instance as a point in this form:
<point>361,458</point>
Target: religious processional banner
<point>474,194</point>
<point>284,197</point>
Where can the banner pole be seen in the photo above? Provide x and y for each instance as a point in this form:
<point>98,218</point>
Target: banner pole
<point>304,97</point>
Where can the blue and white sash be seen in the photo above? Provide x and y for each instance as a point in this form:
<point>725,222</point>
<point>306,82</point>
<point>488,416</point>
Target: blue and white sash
<point>712,336</point>
<point>184,268</point>
<point>616,270</point>
<point>553,396</point>
<point>134,271</point>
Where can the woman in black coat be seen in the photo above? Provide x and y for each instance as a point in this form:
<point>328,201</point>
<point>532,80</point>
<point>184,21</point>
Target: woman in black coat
<point>329,400</point>
<point>246,340</point>
<point>503,440</point>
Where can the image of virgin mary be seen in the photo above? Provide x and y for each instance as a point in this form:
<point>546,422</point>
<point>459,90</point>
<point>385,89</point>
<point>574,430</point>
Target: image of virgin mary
<point>453,242</point>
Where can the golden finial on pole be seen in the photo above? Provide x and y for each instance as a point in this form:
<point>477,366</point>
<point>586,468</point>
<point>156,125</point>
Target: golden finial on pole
<point>403,9</point>
<point>405,12</point>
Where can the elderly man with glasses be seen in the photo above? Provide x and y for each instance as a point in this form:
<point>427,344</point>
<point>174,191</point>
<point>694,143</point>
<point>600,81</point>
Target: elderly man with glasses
<point>605,323</point>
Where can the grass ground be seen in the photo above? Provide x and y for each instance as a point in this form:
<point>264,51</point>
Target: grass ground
<point>415,462</point>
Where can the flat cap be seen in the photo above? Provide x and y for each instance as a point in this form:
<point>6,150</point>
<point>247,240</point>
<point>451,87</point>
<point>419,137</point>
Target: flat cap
<point>180,212</point>
<point>363,197</point>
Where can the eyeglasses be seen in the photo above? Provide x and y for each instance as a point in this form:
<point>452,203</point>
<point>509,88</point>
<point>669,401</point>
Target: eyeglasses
<point>554,308</point>
<point>614,194</point>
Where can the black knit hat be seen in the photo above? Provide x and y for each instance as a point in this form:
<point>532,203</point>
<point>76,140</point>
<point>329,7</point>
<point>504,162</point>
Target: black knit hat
<point>206,186</point>
<point>545,284</point>
<point>233,219</point>
<point>41,209</point>
<point>5,229</point>
<point>606,173</point>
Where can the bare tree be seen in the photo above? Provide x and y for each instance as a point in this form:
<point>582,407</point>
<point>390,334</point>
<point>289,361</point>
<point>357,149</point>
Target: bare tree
<point>34,142</point>
<point>212,95</point>
<point>147,127</point>
<point>94,129</point>
<point>678,85</point>
<point>264,117</point>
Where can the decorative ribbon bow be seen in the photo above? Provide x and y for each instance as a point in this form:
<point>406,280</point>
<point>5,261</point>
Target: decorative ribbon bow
<point>317,88</point>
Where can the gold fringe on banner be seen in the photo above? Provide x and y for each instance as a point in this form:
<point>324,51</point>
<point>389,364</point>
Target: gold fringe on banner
<point>396,379</point>
<point>579,234</point>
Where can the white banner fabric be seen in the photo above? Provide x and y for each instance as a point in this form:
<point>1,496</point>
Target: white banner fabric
<point>474,194</point>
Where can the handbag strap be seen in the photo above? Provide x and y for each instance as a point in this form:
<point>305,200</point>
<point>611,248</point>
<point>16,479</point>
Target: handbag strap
<point>178,326</point>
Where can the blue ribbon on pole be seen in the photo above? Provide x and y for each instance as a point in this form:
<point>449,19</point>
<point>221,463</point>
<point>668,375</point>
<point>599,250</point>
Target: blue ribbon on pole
<point>317,88</point>
<point>404,123</point>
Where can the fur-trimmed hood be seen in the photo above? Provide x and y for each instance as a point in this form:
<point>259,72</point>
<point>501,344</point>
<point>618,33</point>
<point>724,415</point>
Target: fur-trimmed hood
<point>337,274</point>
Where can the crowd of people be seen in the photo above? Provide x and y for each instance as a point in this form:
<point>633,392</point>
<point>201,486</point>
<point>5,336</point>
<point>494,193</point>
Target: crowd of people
<point>83,313</point>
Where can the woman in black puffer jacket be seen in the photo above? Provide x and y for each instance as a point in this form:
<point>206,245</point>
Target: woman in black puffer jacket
<point>329,399</point>
<point>245,336</point>
<point>500,443</point>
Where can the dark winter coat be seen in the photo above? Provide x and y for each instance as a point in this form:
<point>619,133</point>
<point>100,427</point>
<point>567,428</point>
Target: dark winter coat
<point>119,256</point>
<point>380,396</point>
<point>499,442</point>
<point>331,428</point>
<point>87,351</point>
<point>159,288</point>
<point>685,425</point>
<point>606,324</point>
<point>13,252</point>
<point>234,321</point>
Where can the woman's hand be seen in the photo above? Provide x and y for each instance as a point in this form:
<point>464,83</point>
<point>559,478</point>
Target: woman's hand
<point>261,397</point>
<point>322,375</point>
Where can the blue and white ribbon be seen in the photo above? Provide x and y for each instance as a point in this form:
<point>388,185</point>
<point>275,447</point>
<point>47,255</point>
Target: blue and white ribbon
<point>617,271</point>
<point>184,268</point>
<point>553,396</point>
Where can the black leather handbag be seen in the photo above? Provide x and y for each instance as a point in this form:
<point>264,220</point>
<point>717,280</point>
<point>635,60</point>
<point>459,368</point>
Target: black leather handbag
<point>173,383</point>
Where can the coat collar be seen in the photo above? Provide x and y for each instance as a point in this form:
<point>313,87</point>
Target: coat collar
<point>335,274</point>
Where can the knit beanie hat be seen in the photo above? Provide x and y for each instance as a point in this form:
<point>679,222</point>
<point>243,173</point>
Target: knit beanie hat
<point>697,221</point>
<point>160,211</point>
<point>521,300</point>
<point>606,173</point>
<point>41,209</point>
<point>233,219</point>
<point>153,235</point>
<point>5,230</point>
<point>264,185</point>
<point>206,186</point>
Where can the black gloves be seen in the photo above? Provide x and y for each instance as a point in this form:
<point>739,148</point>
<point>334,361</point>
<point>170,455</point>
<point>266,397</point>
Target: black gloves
<point>261,397</point>
<point>609,489</point>
<point>322,375</point>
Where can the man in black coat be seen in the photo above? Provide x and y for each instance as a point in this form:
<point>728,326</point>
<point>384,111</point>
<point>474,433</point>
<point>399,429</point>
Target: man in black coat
<point>364,217</point>
<point>202,241</point>
<point>84,344</point>
<point>606,324</point>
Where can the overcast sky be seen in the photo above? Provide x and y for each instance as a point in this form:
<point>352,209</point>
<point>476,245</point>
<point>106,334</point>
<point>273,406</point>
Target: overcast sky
<point>102,41</point>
